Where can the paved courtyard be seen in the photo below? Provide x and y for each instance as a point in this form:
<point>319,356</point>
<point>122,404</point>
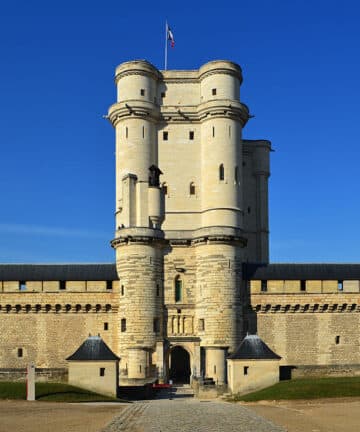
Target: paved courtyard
<point>189,415</point>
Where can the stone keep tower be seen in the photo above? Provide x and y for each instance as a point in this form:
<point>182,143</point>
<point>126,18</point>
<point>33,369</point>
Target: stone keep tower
<point>181,240</point>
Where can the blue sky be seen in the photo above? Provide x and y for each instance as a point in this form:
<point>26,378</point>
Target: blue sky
<point>301,69</point>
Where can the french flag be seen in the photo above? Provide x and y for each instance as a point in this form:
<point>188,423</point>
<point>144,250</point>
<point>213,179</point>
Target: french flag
<point>170,37</point>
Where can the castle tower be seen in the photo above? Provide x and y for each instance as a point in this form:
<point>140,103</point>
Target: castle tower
<point>220,239</point>
<point>180,243</point>
<point>139,214</point>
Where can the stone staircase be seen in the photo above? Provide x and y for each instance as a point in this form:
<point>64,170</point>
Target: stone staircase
<point>182,390</point>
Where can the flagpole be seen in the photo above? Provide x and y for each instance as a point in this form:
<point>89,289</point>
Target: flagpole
<point>166,44</point>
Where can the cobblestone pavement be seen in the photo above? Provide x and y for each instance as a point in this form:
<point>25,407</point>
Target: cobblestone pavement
<point>189,415</point>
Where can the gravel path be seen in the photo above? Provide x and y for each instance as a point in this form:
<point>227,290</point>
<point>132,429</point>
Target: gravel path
<point>189,415</point>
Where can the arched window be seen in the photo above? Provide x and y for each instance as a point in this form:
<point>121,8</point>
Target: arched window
<point>123,324</point>
<point>165,188</point>
<point>192,188</point>
<point>178,289</point>
<point>221,172</point>
<point>236,174</point>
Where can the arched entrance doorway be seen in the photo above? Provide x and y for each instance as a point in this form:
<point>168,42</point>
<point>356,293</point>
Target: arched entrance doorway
<point>179,365</point>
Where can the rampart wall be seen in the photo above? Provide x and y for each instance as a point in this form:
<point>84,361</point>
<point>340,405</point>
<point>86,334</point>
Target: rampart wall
<point>316,326</point>
<point>44,325</point>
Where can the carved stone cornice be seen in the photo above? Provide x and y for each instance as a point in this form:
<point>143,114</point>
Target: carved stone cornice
<point>63,308</point>
<point>173,114</point>
<point>137,239</point>
<point>306,308</point>
<point>131,109</point>
<point>220,67</point>
<point>224,108</point>
<point>220,239</point>
<point>174,339</point>
<point>180,242</point>
<point>137,67</point>
<point>180,80</point>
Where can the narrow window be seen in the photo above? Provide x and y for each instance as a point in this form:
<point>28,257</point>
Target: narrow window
<point>264,285</point>
<point>246,369</point>
<point>142,92</point>
<point>213,91</point>
<point>106,326</point>
<point>192,188</point>
<point>126,132</point>
<point>165,135</point>
<point>214,369</point>
<point>62,285</point>
<point>302,285</point>
<point>236,174</point>
<point>249,210</point>
<point>191,135</point>
<point>143,131</point>
<point>22,286</point>
<point>178,310</point>
<point>157,290</point>
<point>165,188</point>
<point>221,172</point>
<point>340,285</point>
<point>213,131</point>
<point>229,131</point>
<point>156,325</point>
<point>102,371</point>
<point>201,324</point>
<point>163,94</point>
<point>178,289</point>
<point>123,325</point>
<point>20,352</point>
<point>109,285</point>
<point>122,290</point>
<point>337,340</point>
<point>139,368</point>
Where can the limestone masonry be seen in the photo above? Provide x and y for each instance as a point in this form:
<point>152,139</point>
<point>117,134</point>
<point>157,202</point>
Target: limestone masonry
<point>191,216</point>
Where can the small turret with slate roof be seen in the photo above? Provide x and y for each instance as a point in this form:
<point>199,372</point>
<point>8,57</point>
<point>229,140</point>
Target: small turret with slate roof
<point>253,366</point>
<point>252,347</point>
<point>95,367</point>
<point>94,348</point>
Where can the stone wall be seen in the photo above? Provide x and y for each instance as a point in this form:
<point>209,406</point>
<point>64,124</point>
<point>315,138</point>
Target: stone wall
<point>316,327</point>
<point>47,327</point>
<point>315,371</point>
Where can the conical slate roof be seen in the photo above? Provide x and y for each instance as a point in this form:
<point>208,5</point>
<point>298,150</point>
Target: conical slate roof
<point>94,348</point>
<point>252,347</point>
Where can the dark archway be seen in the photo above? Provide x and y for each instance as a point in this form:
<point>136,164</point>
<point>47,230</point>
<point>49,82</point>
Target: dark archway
<point>180,365</point>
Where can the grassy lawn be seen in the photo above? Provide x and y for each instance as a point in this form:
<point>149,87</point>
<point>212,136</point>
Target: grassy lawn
<point>55,392</point>
<point>306,389</point>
